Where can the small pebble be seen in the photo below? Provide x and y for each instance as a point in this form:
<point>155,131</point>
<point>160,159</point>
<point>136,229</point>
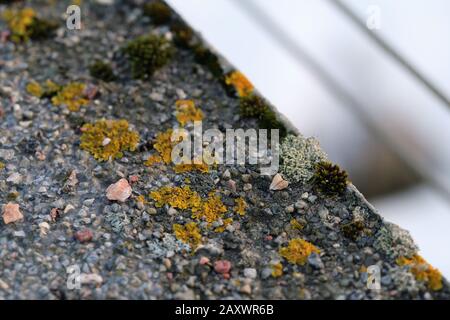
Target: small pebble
<point>250,273</point>
<point>11,213</point>
<point>84,235</point>
<point>222,266</point>
<point>119,191</point>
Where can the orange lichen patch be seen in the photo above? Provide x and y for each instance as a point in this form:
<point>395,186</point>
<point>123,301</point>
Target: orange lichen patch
<point>422,271</point>
<point>277,270</point>
<point>296,225</point>
<point>71,95</point>
<point>189,234</point>
<point>202,167</point>
<point>210,210</point>
<point>19,23</point>
<point>187,112</point>
<point>240,206</point>
<point>177,197</point>
<point>226,223</point>
<point>107,139</point>
<point>298,251</point>
<point>240,82</point>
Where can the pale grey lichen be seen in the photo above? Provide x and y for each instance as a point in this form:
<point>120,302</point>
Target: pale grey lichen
<point>395,242</point>
<point>167,246</point>
<point>117,220</point>
<point>299,156</point>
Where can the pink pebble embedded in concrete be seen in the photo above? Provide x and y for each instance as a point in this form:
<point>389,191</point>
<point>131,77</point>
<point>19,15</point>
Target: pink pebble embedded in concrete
<point>204,260</point>
<point>134,179</point>
<point>119,191</point>
<point>11,213</point>
<point>222,266</point>
<point>84,235</point>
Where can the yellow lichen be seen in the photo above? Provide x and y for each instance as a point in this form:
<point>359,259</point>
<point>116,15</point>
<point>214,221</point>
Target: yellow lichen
<point>141,199</point>
<point>202,167</point>
<point>187,112</point>
<point>240,82</point>
<point>298,251</point>
<point>226,223</point>
<point>24,24</point>
<point>107,139</point>
<point>189,234</point>
<point>277,270</point>
<point>48,90</point>
<point>164,145</point>
<point>177,197</point>
<point>51,87</point>
<point>34,89</point>
<point>423,271</point>
<point>210,210</point>
<point>71,95</point>
<point>2,165</point>
<point>19,23</point>
<point>240,206</point>
<point>152,160</point>
<point>296,225</point>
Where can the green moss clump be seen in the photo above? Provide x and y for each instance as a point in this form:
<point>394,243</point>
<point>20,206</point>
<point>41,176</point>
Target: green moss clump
<point>209,59</point>
<point>353,229</point>
<point>253,106</point>
<point>42,29</point>
<point>102,71</point>
<point>158,11</point>
<point>147,54</point>
<point>206,57</point>
<point>75,121</point>
<point>330,179</point>
<point>182,34</point>
<point>108,139</point>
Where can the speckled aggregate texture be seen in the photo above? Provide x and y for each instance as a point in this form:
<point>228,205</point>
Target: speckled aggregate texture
<point>141,249</point>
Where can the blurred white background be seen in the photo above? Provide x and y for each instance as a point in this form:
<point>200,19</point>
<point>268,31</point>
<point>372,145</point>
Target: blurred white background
<point>388,130</point>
